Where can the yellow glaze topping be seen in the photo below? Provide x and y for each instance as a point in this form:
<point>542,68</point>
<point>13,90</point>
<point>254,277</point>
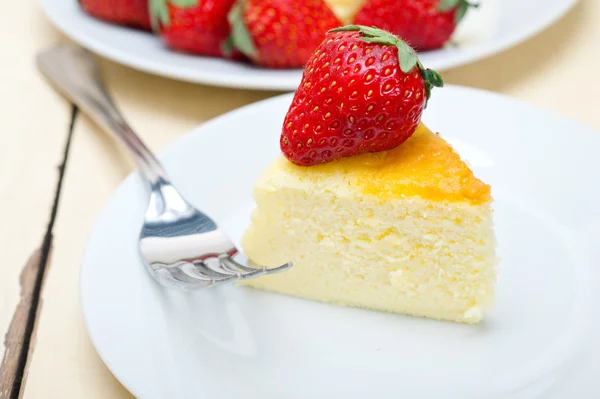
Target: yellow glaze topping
<point>425,166</point>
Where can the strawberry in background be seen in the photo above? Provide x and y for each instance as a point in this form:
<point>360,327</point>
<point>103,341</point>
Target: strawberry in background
<point>194,26</point>
<point>424,24</point>
<point>132,13</point>
<point>280,33</point>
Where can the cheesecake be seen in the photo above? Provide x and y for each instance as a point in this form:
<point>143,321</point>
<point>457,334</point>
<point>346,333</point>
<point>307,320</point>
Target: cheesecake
<point>408,230</point>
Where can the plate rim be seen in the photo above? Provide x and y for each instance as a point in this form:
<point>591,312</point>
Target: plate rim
<point>475,54</point>
<point>171,148</point>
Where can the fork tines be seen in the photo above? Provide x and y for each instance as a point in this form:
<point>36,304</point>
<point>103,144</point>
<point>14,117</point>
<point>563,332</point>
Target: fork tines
<point>212,271</point>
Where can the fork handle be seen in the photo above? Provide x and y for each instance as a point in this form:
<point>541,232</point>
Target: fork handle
<point>75,72</point>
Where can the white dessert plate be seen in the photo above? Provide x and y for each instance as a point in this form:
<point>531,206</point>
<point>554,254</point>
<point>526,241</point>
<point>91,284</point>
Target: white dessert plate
<point>233,342</point>
<point>497,25</point>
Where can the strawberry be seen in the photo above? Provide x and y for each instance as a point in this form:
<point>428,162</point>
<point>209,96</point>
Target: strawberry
<point>363,90</point>
<point>194,26</point>
<point>425,24</point>
<point>133,13</point>
<point>280,33</point>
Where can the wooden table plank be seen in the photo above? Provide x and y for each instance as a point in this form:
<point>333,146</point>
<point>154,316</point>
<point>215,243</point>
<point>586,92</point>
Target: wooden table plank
<point>35,124</point>
<point>65,364</point>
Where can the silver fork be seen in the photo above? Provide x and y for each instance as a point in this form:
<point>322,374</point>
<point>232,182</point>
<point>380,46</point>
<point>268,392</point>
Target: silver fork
<point>180,245</point>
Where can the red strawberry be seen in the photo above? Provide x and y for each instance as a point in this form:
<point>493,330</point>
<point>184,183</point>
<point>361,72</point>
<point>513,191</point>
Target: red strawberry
<point>425,24</point>
<point>280,33</point>
<point>125,12</point>
<point>194,26</point>
<point>364,90</point>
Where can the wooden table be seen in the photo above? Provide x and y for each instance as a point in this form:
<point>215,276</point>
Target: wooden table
<point>58,170</point>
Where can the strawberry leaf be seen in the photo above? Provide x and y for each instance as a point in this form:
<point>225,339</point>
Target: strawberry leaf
<point>446,5</point>
<point>159,14</point>
<point>380,40</point>
<point>159,11</point>
<point>406,56</point>
<point>461,6</point>
<point>434,78</point>
<point>184,3</point>
<point>347,28</point>
<point>462,9</point>
<point>227,46</point>
<point>240,37</point>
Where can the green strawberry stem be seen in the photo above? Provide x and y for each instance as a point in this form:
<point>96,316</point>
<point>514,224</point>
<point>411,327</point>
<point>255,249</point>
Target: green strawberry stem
<point>159,10</point>
<point>240,37</point>
<point>462,6</point>
<point>407,56</point>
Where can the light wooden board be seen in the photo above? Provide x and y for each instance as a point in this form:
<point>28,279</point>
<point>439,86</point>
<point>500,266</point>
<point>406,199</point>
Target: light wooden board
<point>551,70</point>
<point>33,127</point>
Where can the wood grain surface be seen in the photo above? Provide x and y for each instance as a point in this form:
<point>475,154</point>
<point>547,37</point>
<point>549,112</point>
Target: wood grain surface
<point>12,368</point>
<point>33,131</point>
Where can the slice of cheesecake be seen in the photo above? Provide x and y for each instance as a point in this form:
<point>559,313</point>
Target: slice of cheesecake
<point>407,230</point>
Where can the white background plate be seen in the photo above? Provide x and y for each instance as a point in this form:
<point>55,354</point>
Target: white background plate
<point>236,342</point>
<point>497,25</point>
